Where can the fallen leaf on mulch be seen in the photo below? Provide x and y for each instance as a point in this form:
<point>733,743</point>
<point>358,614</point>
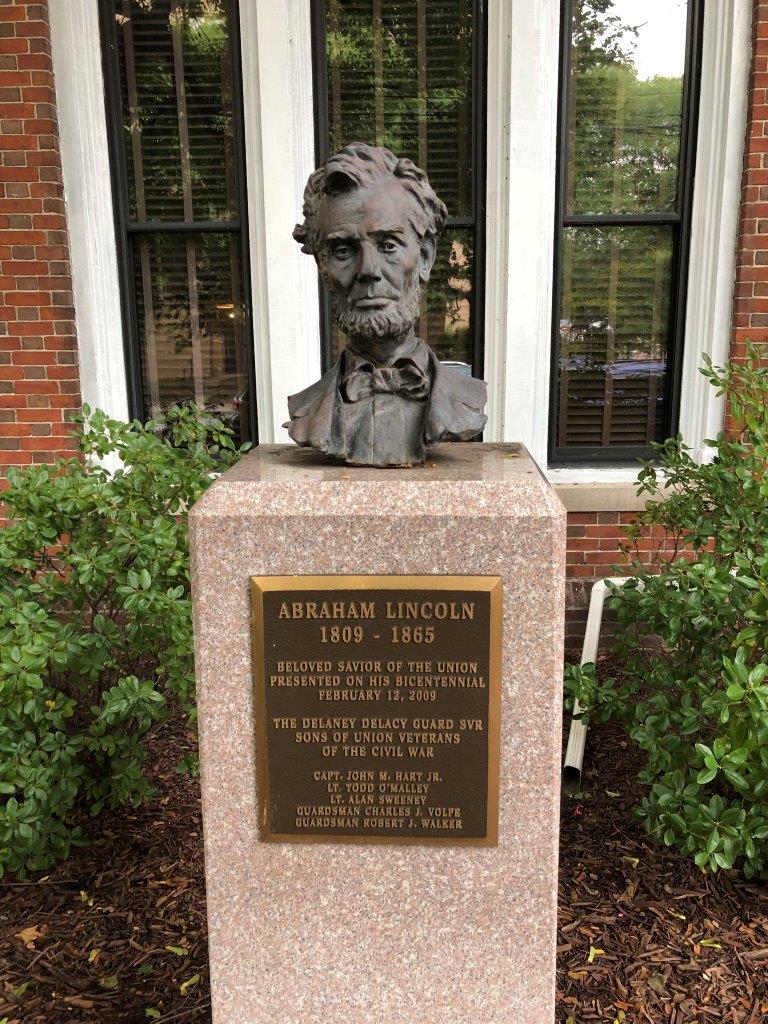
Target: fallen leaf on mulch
<point>80,1002</point>
<point>28,935</point>
<point>142,886</point>
<point>187,985</point>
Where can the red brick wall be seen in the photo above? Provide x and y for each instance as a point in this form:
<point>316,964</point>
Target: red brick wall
<point>750,308</point>
<point>39,383</point>
<point>594,551</point>
<point>593,548</point>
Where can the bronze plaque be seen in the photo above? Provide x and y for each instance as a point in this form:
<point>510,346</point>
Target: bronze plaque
<point>377,704</point>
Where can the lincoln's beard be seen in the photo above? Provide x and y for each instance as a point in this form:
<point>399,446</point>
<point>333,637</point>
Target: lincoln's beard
<point>395,321</point>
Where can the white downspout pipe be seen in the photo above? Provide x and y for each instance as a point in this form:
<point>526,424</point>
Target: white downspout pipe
<point>577,737</point>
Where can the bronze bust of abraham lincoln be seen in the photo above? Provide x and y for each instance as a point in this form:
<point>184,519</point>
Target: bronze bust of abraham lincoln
<point>370,221</point>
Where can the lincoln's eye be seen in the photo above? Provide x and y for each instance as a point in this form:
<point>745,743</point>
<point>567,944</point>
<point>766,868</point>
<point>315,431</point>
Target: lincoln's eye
<point>388,246</point>
<point>342,252</point>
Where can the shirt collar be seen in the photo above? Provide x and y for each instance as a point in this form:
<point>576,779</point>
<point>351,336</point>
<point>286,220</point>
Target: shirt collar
<point>416,351</point>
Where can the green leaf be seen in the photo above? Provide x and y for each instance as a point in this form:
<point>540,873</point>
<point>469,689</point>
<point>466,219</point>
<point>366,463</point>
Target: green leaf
<point>713,842</point>
<point>739,756</point>
<point>188,984</point>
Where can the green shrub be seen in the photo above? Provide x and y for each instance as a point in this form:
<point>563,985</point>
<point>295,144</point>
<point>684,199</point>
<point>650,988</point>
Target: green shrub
<point>95,621</point>
<point>696,699</point>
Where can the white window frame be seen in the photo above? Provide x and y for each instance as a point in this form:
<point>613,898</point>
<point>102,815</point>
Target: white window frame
<point>523,65</point>
<point>76,50</point>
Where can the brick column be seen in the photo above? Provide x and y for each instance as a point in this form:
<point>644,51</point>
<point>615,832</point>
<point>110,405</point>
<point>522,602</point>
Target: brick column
<point>750,309</point>
<point>39,382</point>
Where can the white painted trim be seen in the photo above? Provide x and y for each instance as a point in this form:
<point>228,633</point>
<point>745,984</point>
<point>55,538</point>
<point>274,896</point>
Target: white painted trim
<point>76,47</point>
<point>523,57</point>
<point>498,133</point>
<point>276,47</point>
<point>726,56</point>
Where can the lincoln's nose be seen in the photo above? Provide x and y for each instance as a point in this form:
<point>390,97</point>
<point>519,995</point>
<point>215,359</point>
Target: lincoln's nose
<point>369,268</point>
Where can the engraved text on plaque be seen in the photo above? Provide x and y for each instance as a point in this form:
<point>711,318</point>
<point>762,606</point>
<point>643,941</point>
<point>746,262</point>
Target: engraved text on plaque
<point>377,707</point>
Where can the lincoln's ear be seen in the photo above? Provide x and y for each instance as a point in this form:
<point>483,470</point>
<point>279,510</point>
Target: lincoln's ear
<point>427,257</point>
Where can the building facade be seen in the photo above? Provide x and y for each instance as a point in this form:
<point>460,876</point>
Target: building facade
<point>606,177</point>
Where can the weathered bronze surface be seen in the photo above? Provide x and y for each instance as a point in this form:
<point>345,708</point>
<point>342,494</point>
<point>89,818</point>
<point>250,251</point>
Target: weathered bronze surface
<point>377,704</point>
<point>370,221</point>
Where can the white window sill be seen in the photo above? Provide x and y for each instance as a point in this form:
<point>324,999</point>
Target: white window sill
<point>599,475</point>
<point>593,489</point>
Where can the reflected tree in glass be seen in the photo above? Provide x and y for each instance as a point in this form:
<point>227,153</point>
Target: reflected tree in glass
<point>616,287</point>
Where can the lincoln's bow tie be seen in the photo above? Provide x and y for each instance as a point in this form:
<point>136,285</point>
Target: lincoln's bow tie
<point>403,378</point>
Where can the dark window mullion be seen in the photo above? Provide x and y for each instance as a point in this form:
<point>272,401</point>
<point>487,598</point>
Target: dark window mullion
<point>241,190</point>
<point>120,192</point>
<point>161,226</point>
<point>478,181</point>
<point>561,192</point>
<point>688,143</point>
<point>617,220</point>
<point>690,97</point>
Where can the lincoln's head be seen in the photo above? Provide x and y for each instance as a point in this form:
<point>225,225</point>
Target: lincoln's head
<point>370,221</point>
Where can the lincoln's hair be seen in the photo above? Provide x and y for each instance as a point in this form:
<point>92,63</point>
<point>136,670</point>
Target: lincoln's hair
<point>359,165</point>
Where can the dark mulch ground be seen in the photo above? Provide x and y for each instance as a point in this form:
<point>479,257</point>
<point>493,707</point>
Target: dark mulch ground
<point>668,944</point>
<point>104,921</point>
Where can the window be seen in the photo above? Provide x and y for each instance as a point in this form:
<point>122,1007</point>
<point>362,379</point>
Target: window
<point>410,75</point>
<point>173,91</point>
<point>628,111</point>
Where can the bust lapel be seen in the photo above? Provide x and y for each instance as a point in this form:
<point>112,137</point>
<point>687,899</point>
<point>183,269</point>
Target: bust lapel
<point>455,406</point>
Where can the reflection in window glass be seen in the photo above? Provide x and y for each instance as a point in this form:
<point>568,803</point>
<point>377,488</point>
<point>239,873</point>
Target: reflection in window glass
<point>613,335</point>
<point>174,64</point>
<point>400,74</point>
<point>624,216</point>
<point>626,102</point>
<point>177,97</point>
<point>190,325</point>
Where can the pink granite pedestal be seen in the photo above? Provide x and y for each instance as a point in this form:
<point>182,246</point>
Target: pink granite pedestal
<point>334,933</point>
